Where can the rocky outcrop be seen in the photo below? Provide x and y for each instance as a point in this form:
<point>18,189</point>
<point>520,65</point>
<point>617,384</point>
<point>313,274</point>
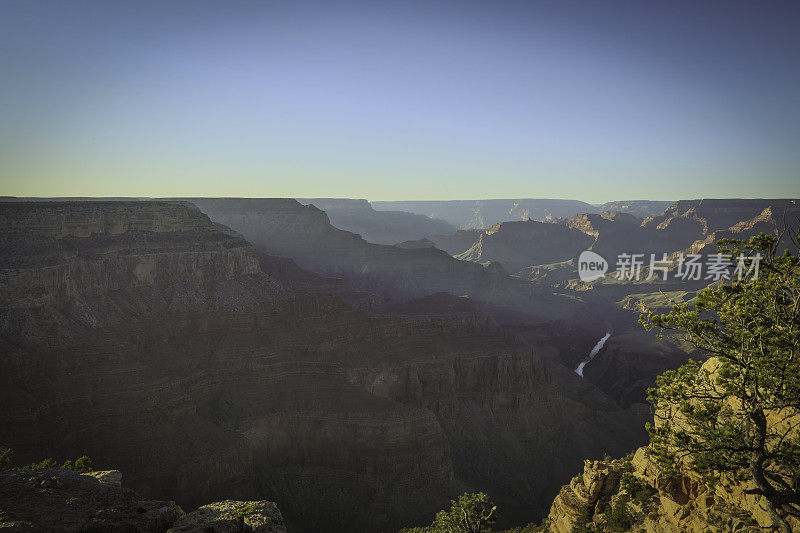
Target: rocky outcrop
<point>60,500</point>
<point>232,517</point>
<point>686,225</point>
<point>770,221</point>
<point>636,494</point>
<point>517,245</point>
<point>616,233</point>
<point>652,501</point>
<point>109,477</point>
<point>57,500</point>
<point>578,500</point>
<point>694,220</point>
<point>60,219</point>
<point>379,227</point>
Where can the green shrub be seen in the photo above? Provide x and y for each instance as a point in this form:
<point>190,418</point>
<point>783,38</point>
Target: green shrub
<point>243,509</point>
<point>5,457</point>
<point>619,519</point>
<point>639,491</point>
<point>81,464</point>
<point>45,463</point>
<point>471,513</point>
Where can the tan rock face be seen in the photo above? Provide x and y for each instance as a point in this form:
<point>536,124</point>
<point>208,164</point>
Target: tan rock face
<point>769,221</point>
<point>670,502</point>
<point>577,500</point>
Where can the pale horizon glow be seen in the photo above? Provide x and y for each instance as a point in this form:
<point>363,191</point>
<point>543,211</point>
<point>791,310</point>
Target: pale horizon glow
<point>400,100</point>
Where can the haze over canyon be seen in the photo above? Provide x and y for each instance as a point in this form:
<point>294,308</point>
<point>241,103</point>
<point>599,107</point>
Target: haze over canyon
<point>247,348</point>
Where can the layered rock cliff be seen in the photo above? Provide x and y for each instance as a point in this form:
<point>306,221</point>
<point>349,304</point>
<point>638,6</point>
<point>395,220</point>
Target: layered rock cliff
<point>179,360</point>
<point>168,352</point>
<point>694,220</point>
<point>54,252</point>
<point>286,228</point>
<point>517,245</point>
<point>771,221</point>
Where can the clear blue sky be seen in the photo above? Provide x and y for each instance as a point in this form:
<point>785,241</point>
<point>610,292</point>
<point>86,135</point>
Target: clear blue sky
<point>594,101</point>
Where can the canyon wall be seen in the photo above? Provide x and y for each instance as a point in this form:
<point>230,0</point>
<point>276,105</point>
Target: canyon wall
<point>284,227</point>
<point>155,342</point>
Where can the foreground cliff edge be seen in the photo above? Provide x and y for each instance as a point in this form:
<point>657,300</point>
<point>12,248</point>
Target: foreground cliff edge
<point>58,500</point>
<point>725,442</point>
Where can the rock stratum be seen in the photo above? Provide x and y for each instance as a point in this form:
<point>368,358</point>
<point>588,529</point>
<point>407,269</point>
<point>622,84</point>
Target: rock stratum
<point>150,338</point>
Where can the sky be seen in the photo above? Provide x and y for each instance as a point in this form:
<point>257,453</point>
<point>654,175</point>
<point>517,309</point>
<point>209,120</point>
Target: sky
<point>410,100</point>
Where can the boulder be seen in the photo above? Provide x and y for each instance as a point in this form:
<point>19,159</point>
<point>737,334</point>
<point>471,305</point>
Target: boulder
<point>232,516</point>
<point>59,500</point>
<point>110,477</point>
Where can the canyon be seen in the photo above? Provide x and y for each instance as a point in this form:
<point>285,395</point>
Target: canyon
<point>157,342</point>
<point>250,349</point>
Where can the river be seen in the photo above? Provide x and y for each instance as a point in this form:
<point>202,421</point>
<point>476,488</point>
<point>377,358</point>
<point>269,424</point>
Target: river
<point>595,350</point>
